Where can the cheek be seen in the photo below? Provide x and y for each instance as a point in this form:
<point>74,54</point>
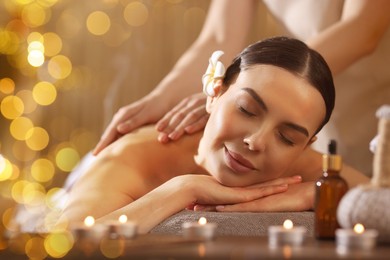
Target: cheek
<point>279,160</point>
<point>222,124</point>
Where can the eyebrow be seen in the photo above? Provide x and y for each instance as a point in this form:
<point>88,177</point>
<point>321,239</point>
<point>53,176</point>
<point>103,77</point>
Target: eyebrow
<point>257,98</point>
<point>261,103</point>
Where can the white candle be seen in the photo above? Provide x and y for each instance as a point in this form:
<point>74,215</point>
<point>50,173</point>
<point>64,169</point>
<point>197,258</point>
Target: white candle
<point>200,229</point>
<point>87,230</point>
<point>356,238</point>
<point>122,228</point>
<point>286,234</point>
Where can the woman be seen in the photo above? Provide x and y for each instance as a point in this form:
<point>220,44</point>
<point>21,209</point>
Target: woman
<point>264,114</point>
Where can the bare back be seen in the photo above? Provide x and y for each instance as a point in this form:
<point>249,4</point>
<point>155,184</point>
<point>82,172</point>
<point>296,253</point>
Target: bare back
<point>128,169</point>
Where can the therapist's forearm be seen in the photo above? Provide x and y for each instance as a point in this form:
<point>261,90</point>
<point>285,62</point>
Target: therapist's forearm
<point>363,24</point>
<point>224,29</point>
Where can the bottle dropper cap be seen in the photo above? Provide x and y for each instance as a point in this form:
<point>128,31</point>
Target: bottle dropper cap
<point>332,161</point>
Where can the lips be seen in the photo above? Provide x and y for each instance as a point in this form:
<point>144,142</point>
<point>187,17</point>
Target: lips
<point>236,162</point>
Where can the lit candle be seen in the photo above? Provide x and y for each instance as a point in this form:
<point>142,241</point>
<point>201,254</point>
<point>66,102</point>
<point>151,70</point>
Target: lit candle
<point>286,234</point>
<point>356,238</point>
<point>200,229</point>
<point>87,230</point>
<point>122,228</point>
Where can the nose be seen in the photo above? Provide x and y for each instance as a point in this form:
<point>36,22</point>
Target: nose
<point>256,142</point>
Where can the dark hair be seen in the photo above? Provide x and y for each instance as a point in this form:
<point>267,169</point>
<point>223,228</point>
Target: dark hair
<point>294,56</point>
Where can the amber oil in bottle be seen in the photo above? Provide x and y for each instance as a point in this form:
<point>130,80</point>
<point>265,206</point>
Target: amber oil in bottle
<point>329,189</point>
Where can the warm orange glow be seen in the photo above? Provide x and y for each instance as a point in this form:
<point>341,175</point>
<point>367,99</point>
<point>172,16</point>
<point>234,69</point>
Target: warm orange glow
<point>358,228</point>
<point>98,23</point>
<point>288,224</point>
<point>89,221</point>
<point>202,221</point>
<point>123,219</point>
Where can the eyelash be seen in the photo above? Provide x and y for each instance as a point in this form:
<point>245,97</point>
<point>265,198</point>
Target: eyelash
<point>286,140</point>
<point>246,112</point>
<point>281,136</point>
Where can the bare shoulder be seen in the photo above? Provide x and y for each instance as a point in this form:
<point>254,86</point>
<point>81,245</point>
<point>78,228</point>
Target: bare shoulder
<point>141,149</point>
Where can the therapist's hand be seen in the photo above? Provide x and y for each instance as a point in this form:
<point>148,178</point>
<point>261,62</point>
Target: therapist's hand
<point>147,110</point>
<point>188,117</point>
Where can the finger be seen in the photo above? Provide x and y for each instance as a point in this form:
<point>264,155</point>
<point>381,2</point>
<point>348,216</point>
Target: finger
<point>191,117</point>
<point>270,190</point>
<point>240,207</point>
<point>197,126</point>
<point>163,138</point>
<point>287,180</point>
<point>109,136</point>
<point>199,207</point>
<point>164,122</point>
<point>241,195</point>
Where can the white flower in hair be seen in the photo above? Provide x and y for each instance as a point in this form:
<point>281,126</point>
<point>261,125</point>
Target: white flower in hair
<point>215,71</point>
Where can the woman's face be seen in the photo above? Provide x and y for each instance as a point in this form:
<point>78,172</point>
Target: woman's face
<point>259,126</point>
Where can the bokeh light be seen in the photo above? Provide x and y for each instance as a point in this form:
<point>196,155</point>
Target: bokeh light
<point>36,46</point>
<point>34,194</point>
<point>34,36</point>
<point>12,107</point>
<point>9,42</point>
<point>36,58</point>
<point>7,219</point>
<point>112,248</point>
<point>59,67</point>
<point>67,158</point>
<point>19,127</point>
<point>37,138</point>
<point>29,104</point>
<point>47,3</point>
<point>58,244</point>
<point>53,43</point>
<point>34,15</point>
<point>35,249</point>
<point>98,23</point>
<point>136,14</point>
<point>42,170</point>
<point>5,169</point>
<point>17,190</point>
<point>7,85</point>
<point>44,93</point>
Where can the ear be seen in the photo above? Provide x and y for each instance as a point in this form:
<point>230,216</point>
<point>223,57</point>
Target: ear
<point>312,140</point>
<point>217,93</point>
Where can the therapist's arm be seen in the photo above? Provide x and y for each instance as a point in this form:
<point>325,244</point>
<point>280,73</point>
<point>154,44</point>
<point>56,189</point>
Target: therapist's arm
<point>357,34</point>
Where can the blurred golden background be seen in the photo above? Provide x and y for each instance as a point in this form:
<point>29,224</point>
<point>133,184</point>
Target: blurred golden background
<point>66,67</point>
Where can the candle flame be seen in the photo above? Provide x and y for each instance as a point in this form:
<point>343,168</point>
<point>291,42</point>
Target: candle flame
<point>358,228</point>
<point>288,224</point>
<point>123,219</point>
<point>89,221</point>
<point>202,221</point>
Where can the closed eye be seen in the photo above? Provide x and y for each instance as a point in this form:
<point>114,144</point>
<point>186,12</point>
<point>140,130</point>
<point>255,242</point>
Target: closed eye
<point>285,140</point>
<point>246,112</point>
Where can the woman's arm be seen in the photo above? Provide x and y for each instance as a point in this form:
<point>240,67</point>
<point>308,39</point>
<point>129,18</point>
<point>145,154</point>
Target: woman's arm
<point>357,34</point>
<point>179,192</point>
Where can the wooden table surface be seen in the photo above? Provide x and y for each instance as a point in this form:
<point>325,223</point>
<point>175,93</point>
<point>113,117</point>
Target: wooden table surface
<point>154,246</point>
